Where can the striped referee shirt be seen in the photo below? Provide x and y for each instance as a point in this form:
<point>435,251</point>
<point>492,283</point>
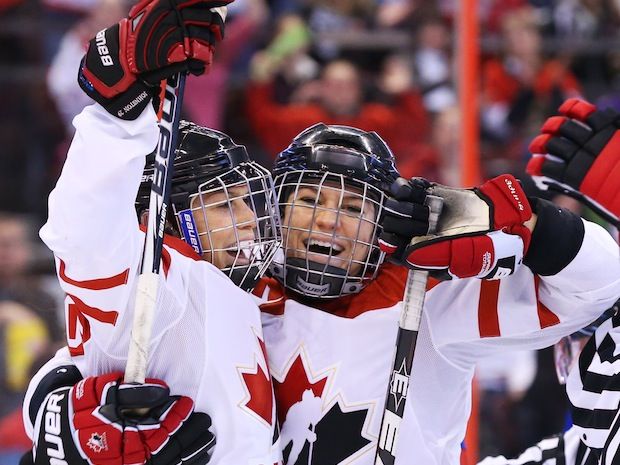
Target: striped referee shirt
<point>593,388</point>
<point>562,449</point>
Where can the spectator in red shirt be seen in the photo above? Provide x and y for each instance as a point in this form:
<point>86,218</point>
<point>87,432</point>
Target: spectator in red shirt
<point>337,97</point>
<point>523,78</point>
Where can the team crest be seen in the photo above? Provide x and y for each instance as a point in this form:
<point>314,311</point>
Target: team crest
<point>259,400</point>
<point>311,418</point>
<point>97,442</point>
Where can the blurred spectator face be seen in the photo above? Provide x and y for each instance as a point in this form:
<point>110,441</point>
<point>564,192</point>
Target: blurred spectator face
<point>521,32</point>
<point>341,91</point>
<point>14,247</point>
<point>396,76</point>
<point>434,35</point>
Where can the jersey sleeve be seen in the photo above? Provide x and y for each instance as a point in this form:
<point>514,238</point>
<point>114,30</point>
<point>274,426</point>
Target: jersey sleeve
<point>92,227</point>
<point>91,210</point>
<point>471,319</point>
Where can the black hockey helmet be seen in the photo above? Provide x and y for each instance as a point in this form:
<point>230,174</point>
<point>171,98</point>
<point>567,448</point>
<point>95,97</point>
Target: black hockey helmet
<point>203,154</point>
<point>358,155</point>
<point>208,162</point>
<point>327,157</point>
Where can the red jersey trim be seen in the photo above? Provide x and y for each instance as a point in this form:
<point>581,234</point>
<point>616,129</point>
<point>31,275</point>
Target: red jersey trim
<point>488,315</point>
<point>384,292</point>
<point>182,247</point>
<point>545,316</point>
<point>177,244</point>
<point>94,284</point>
<point>77,312</point>
<point>272,290</point>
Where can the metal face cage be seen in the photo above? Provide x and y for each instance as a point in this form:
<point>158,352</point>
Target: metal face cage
<point>232,221</point>
<point>329,228</point>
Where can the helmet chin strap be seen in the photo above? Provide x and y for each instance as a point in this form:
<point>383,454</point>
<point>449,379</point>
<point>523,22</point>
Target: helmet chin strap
<point>313,279</point>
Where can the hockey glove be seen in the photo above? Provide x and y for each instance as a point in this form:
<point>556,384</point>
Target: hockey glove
<point>125,63</point>
<point>404,214</point>
<point>578,154</point>
<point>92,423</point>
<point>481,233</point>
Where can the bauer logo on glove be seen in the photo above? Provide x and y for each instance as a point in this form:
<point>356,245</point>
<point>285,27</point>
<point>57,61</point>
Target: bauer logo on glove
<point>125,63</point>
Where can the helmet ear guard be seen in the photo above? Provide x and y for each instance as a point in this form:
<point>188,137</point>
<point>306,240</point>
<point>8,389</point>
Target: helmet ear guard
<point>358,165</point>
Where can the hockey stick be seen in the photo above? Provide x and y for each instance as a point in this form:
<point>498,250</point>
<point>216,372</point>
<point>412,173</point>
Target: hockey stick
<point>148,280</point>
<point>408,327</point>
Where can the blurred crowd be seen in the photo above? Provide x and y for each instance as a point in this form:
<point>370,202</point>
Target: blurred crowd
<point>383,65</point>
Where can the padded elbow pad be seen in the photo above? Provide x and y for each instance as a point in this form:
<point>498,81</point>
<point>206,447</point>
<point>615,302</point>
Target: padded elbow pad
<point>556,239</point>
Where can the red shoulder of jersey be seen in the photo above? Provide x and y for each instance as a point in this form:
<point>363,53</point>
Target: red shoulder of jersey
<point>384,292</point>
<point>177,244</point>
<point>272,293</point>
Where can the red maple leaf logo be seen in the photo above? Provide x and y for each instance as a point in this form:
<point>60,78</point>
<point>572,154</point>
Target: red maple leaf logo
<point>290,391</point>
<point>259,388</point>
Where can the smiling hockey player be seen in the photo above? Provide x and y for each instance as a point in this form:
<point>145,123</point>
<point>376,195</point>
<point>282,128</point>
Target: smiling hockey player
<point>207,340</point>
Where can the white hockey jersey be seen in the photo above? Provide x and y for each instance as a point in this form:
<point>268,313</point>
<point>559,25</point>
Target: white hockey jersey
<point>331,365</point>
<point>207,341</point>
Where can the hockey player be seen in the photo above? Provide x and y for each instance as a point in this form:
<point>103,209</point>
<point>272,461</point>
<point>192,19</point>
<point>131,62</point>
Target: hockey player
<point>331,314</point>
<point>224,208</point>
<point>578,154</point>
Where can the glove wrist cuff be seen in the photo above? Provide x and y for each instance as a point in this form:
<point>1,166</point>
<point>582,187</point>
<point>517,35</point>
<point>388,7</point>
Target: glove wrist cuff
<point>128,105</point>
<point>556,239</point>
<point>55,434</point>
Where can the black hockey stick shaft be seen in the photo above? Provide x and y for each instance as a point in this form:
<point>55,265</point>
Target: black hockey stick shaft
<point>406,340</point>
<point>146,293</point>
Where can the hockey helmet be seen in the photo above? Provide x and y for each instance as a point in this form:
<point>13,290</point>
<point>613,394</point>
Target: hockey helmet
<point>341,172</point>
<point>223,203</point>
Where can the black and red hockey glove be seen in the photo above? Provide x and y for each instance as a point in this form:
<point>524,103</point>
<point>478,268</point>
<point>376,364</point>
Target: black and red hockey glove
<point>404,214</point>
<point>93,423</point>
<point>125,63</point>
<point>481,233</point>
<point>578,154</point>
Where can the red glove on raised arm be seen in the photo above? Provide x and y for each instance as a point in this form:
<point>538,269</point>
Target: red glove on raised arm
<point>125,63</point>
<point>578,154</point>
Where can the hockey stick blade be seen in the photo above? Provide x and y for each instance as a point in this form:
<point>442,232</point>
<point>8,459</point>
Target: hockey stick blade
<point>408,327</point>
<point>146,289</point>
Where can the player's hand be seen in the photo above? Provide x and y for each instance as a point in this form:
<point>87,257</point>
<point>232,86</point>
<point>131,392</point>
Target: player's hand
<point>96,419</point>
<point>404,214</point>
<point>125,63</point>
<point>578,154</point>
<point>457,251</point>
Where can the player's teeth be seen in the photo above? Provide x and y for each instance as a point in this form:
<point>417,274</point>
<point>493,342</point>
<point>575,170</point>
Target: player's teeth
<point>247,248</point>
<point>325,244</point>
